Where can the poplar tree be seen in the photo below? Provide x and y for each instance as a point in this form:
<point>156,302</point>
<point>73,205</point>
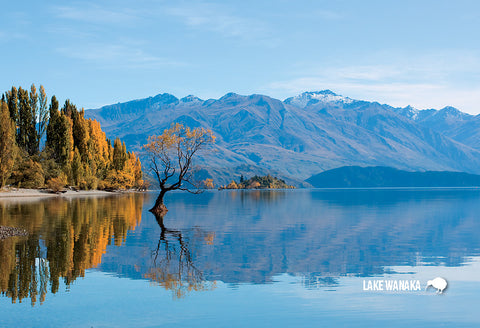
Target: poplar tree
<point>52,135</point>
<point>8,147</point>
<point>69,109</point>
<point>77,171</point>
<point>59,134</point>
<point>98,148</point>
<point>27,118</point>
<point>12,102</point>
<point>24,118</point>
<point>65,145</point>
<point>119,155</point>
<point>76,148</point>
<point>80,133</point>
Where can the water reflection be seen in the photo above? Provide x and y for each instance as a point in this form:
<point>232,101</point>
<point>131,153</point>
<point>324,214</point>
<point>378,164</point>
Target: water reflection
<point>23,272</point>
<point>172,264</point>
<point>66,238</point>
<point>323,235</point>
<point>236,237</point>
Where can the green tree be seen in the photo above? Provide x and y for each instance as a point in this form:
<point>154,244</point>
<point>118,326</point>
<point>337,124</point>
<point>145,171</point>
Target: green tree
<point>8,146</point>
<point>52,133</point>
<point>65,145</point>
<point>77,168</point>
<point>59,135</point>
<point>27,133</point>
<point>24,118</point>
<point>12,102</point>
<point>69,109</point>
<point>80,133</point>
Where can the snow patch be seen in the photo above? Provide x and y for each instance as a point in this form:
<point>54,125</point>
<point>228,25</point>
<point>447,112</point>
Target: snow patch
<point>325,96</point>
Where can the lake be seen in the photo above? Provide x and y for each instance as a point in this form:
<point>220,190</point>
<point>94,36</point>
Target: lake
<point>286,258</point>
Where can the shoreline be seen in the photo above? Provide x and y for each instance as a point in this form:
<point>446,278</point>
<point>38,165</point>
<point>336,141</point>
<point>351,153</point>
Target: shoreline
<point>40,193</point>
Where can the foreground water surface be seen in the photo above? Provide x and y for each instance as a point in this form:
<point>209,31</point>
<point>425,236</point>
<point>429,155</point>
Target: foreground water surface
<point>296,258</point>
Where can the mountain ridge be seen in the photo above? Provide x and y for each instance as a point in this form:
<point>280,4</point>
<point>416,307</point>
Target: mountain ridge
<point>298,138</point>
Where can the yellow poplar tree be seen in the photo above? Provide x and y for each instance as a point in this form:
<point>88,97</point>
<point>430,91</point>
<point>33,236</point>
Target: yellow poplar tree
<point>8,146</point>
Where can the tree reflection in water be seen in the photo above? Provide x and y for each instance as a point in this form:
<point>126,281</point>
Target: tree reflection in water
<point>66,238</point>
<point>172,263</point>
<point>23,272</point>
<point>69,236</point>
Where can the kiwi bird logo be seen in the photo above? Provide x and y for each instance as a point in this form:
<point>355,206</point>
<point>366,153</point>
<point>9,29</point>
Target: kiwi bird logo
<point>439,283</point>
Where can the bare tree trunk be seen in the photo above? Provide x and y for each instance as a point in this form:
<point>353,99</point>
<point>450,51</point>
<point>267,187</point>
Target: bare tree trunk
<point>159,209</point>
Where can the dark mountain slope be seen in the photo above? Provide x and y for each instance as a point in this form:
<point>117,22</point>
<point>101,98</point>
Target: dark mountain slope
<point>381,176</point>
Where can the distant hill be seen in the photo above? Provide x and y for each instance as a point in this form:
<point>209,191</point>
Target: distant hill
<point>381,176</point>
<point>303,135</point>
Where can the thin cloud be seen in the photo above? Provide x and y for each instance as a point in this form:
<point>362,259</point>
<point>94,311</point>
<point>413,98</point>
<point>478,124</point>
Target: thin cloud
<point>93,13</point>
<point>117,55</point>
<point>11,36</point>
<point>367,73</point>
<point>399,94</point>
<point>426,81</point>
<point>220,20</point>
<point>328,14</point>
<point>419,95</point>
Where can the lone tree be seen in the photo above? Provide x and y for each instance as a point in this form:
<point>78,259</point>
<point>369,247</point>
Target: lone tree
<point>171,155</point>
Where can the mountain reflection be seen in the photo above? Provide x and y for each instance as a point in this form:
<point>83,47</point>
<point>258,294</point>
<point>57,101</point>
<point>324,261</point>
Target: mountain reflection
<point>66,238</point>
<point>319,235</point>
<point>236,237</point>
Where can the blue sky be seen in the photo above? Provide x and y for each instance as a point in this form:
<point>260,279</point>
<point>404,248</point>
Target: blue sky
<point>422,53</point>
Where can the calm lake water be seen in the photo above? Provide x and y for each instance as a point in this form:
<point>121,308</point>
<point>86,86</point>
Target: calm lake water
<point>297,258</point>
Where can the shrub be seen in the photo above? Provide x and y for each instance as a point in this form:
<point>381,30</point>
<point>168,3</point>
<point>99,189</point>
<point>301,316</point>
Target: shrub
<point>55,184</point>
<point>207,184</point>
<point>28,174</point>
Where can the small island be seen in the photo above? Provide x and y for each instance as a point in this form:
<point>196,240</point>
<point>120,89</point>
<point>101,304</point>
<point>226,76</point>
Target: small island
<point>257,182</point>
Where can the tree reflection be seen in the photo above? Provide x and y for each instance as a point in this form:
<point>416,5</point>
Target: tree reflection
<point>173,266</point>
<point>66,238</point>
<point>26,273</point>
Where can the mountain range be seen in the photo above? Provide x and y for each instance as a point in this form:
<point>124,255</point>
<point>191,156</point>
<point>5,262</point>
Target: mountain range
<point>303,135</point>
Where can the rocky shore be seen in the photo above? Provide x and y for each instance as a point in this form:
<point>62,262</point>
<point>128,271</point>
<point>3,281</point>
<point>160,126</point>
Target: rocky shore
<point>6,232</point>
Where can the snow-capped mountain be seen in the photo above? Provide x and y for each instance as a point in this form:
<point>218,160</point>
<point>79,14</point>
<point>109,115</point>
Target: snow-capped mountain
<point>191,99</point>
<point>311,98</point>
<point>303,135</point>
